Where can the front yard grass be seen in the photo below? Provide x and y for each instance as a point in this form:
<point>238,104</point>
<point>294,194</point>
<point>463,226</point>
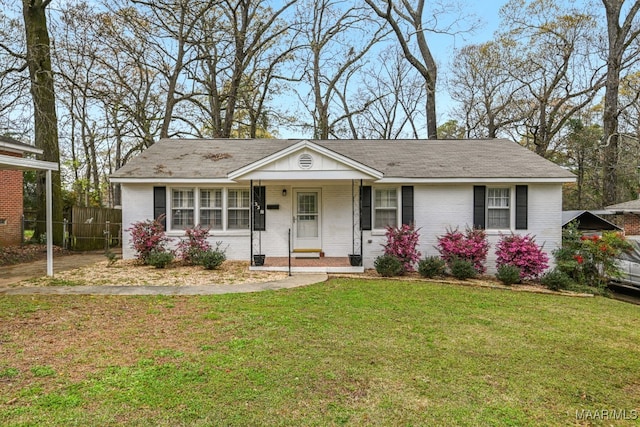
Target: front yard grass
<point>345,352</point>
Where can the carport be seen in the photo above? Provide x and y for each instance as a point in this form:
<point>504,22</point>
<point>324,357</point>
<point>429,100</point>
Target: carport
<point>19,163</point>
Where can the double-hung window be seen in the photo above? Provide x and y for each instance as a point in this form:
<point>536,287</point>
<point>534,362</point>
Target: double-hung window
<point>211,208</point>
<point>498,208</point>
<point>238,209</point>
<point>386,207</point>
<point>182,208</point>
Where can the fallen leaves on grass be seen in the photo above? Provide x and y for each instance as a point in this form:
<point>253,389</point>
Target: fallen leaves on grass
<point>11,255</point>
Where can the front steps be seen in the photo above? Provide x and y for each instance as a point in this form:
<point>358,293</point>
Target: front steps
<point>307,253</point>
<point>308,265</point>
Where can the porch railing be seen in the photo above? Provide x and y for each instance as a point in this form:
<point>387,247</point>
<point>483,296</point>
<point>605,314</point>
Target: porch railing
<point>289,251</point>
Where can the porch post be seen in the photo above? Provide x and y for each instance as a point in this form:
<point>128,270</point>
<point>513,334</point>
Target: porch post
<point>360,221</point>
<point>251,221</point>
<point>353,217</point>
<point>49,214</point>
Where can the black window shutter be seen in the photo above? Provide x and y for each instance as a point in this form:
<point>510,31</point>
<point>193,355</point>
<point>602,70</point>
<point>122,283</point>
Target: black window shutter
<point>160,204</point>
<point>479,200</point>
<point>522,207</point>
<point>259,208</point>
<point>365,203</point>
<point>407,204</point>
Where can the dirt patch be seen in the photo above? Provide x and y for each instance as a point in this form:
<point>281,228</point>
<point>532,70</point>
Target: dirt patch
<point>77,337</point>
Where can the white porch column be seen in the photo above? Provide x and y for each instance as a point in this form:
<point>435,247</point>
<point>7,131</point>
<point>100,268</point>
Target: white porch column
<point>49,201</point>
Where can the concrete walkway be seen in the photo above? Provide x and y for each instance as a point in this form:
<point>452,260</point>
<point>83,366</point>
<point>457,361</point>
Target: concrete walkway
<point>15,273</point>
<point>295,281</point>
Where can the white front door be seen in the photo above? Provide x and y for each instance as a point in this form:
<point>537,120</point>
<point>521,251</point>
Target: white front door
<point>306,220</point>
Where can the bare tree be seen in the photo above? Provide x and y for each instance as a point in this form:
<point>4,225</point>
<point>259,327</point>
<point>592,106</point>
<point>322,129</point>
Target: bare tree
<point>14,81</point>
<point>44,107</point>
<point>76,65</point>
<point>169,29</point>
<point>337,37</point>
<point>488,94</point>
<point>553,60</point>
<point>242,45</point>
<point>622,31</point>
<point>391,96</point>
<point>408,23</point>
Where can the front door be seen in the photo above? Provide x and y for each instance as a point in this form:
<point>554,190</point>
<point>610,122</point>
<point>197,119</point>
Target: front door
<point>306,219</point>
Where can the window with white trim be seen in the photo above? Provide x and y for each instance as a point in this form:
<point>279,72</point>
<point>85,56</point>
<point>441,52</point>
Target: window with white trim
<point>219,209</point>
<point>182,208</point>
<point>238,209</point>
<point>498,208</point>
<point>211,208</point>
<point>385,207</point>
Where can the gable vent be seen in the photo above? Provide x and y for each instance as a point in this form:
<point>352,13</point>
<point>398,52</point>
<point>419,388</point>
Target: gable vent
<point>305,161</point>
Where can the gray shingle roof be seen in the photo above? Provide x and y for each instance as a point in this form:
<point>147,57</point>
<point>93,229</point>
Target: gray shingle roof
<point>13,143</point>
<point>631,206</point>
<point>447,159</point>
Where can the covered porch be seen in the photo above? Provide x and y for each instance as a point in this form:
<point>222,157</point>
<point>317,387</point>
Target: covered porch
<point>306,207</point>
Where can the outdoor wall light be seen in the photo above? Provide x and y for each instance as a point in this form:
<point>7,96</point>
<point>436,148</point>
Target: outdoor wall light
<point>284,192</point>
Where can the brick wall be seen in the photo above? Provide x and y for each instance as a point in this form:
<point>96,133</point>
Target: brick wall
<point>631,224</point>
<point>10,205</point>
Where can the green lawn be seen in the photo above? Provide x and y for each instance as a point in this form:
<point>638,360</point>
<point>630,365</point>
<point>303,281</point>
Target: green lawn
<point>346,352</point>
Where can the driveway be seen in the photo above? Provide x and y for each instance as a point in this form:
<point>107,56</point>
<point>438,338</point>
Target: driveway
<point>11,274</point>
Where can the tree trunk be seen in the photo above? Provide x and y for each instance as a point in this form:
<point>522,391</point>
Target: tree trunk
<point>620,37</point>
<point>44,109</point>
<point>610,113</point>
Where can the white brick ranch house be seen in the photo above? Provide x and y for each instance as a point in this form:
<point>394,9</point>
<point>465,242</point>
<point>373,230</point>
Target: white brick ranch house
<point>331,198</point>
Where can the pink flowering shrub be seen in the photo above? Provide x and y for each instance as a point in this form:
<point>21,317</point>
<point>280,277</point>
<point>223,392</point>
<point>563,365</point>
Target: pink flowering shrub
<point>471,246</point>
<point>522,252</point>
<point>194,244</point>
<point>148,236</point>
<point>402,243</point>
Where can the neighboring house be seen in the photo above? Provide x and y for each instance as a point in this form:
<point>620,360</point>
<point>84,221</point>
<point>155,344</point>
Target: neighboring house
<point>11,195</point>
<point>334,198</point>
<point>630,213</point>
<point>589,222</point>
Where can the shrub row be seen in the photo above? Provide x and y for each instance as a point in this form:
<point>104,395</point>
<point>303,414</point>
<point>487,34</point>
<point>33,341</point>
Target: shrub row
<point>150,243</point>
<point>582,261</point>
<point>464,254</point>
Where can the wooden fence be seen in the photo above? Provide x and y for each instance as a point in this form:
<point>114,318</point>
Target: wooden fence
<point>94,228</point>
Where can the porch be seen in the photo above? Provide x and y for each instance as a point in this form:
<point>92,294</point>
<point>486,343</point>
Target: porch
<point>308,265</point>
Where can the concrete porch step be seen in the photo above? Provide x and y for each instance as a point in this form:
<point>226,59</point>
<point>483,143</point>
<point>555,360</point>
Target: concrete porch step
<point>306,253</point>
<point>308,265</point>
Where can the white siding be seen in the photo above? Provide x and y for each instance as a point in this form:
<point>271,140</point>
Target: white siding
<point>275,238</point>
<point>137,205</point>
<point>436,209</point>
<point>337,220</point>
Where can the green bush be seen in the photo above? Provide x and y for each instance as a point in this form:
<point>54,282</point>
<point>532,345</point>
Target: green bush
<point>388,266</point>
<point>159,259</point>
<point>557,280</point>
<point>211,259</point>
<point>431,266</point>
<point>508,274</point>
<point>463,269</point>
